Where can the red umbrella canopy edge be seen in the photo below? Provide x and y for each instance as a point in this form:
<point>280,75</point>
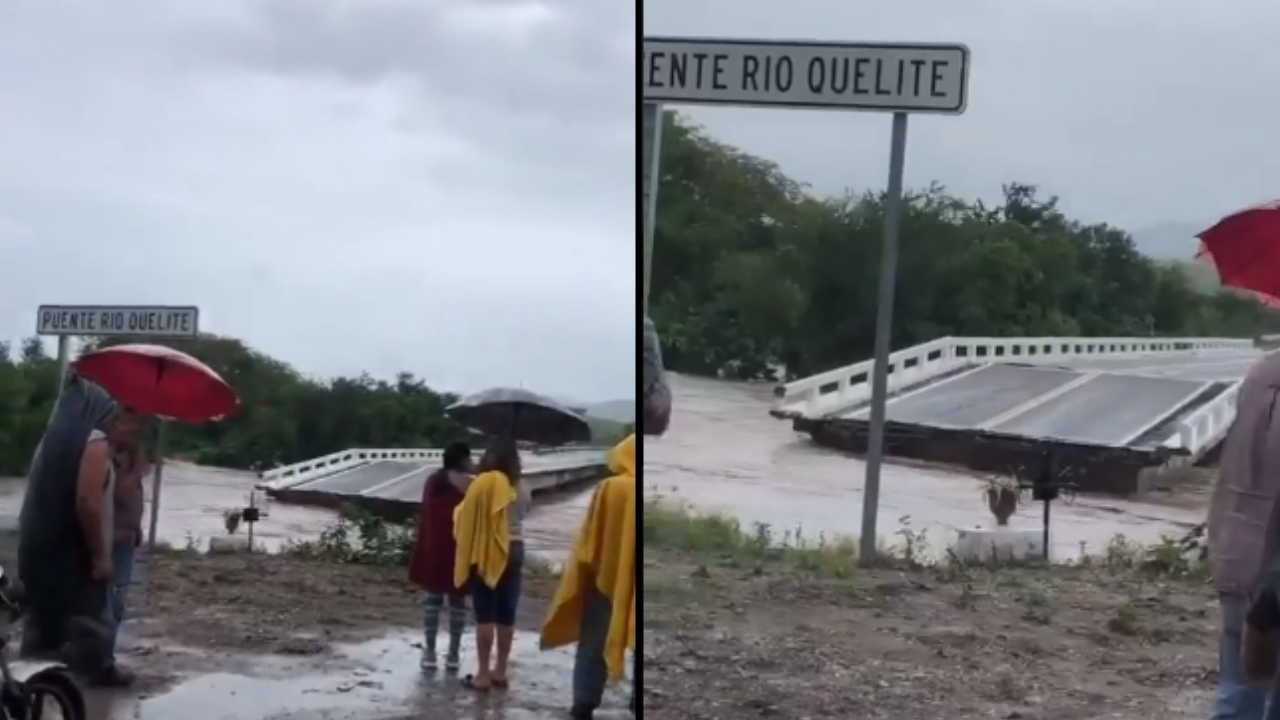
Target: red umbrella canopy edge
<point>158,380</point>
<point>1244,247</point>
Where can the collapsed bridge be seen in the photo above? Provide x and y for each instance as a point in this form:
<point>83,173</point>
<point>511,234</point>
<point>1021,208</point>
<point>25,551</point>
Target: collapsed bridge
<point>1108,408</point>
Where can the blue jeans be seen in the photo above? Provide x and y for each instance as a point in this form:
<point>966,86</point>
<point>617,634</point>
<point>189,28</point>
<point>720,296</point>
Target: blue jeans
<point>122,557</point>
<point>1239,698</point>
<point>590,671</point>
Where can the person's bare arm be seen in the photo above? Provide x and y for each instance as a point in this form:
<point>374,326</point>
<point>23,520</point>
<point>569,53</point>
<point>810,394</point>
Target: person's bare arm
<point>134,496</point>
<point>90,490</point>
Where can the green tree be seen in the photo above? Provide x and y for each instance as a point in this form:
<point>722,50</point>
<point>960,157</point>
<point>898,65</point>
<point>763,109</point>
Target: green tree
<point>751,271</point>
<point>284,417</point>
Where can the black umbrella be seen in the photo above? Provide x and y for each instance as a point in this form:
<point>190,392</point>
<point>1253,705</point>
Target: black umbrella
<point>520,415</point>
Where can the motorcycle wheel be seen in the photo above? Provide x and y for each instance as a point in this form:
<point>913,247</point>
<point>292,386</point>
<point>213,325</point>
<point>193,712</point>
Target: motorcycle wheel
<point>54,694</point>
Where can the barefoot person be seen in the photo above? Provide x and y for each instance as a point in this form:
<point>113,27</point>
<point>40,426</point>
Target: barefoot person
<point>433,552</point>
<point>1243,532</point>
<point>489,528</point>
<point>131,467</point>
<point>65,532</point>
<point>595,604</point>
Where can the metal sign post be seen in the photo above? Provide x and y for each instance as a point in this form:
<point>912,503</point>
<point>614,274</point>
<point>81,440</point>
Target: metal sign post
<point>151,321</point>
<point>153,522</point>
<point>64,361</point>
<point>650,143</point>
<point>877,77</point>
<point>884,336</point>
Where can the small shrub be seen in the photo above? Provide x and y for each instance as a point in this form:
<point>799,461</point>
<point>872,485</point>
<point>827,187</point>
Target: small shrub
<point>361,538</point>
<point>721,539</point>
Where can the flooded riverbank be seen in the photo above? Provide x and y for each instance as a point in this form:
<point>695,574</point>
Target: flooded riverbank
<point>193,499</point>
<point>725,454</point>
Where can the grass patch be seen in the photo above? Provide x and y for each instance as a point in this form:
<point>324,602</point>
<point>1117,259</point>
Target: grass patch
<point>722,540</point>
<point>719,540</point>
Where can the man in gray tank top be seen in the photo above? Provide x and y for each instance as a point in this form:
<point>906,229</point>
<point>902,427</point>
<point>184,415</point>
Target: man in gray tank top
<point>65,531</point>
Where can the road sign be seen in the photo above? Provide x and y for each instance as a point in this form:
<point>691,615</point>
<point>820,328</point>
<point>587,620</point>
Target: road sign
<point>902,78</point>
<point>99,320</point>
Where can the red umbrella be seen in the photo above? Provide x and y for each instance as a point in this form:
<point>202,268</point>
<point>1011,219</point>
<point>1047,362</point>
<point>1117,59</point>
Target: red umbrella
<point>156,380</point>
<point>1245,249</point>
<point>1204,256</point>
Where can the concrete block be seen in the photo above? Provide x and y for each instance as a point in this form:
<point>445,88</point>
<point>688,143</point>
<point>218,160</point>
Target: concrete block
<point>1000,544</point>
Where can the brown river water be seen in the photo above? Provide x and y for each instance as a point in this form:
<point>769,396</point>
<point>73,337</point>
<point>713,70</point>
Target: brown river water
<point>725,454</point>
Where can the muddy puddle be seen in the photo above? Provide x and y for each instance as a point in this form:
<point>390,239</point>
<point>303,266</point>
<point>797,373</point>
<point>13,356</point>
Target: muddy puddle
<point>725,453</point>
<point>377,680</point>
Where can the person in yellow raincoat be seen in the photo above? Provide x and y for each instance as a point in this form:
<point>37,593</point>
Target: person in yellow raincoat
<point>489,529</point>
<point>595,605</point>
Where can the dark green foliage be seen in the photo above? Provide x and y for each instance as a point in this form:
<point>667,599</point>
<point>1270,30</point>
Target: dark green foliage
<point>284,418</point>
<point>751,271</point>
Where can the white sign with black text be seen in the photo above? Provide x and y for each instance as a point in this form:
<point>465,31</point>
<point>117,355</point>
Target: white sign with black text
<point>909,78</point>
<point>91,320</point>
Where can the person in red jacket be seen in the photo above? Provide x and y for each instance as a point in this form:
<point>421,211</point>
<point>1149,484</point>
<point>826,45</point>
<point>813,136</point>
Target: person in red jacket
<point>432,566</point>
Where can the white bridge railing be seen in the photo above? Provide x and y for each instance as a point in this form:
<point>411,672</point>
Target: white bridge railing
<point>1207,424</point>
<point>837,390</point>
<point>287,476</point>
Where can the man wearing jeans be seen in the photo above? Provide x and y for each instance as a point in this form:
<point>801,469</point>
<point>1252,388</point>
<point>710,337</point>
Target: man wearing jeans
<point>1242,536</point>
<point>590,671</point>
<point>129,502</point>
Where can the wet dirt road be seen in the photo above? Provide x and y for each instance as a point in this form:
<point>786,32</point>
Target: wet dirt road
<point>377,680</point>
<point>725,453</point>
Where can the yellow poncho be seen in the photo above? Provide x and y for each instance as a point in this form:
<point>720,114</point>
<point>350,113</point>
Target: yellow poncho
<point>482,529</point>
<point>605,554</point>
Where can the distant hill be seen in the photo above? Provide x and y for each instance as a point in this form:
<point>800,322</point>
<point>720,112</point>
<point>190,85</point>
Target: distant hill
<point>1169,240</point>
<point>620,411</point>
<point>1200,276</point>
<point>608,419</point>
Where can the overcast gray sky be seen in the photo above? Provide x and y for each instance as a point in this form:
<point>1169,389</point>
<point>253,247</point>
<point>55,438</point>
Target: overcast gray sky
<point>1135,112</point>
<point>446,186</point>
<point>440,186</point>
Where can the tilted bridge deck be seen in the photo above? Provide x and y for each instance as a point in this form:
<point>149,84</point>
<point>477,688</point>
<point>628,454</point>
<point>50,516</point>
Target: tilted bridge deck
<point>1138,401</point>
<point>392,480</point>
<point>1090,405</point>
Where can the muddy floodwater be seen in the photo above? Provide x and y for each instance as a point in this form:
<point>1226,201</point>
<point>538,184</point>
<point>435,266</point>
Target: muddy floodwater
<point>725,453</point>
<point>193,499</point>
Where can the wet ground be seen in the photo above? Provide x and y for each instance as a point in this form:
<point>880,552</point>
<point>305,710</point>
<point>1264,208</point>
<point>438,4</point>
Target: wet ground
<point>374,680</point>
<point>723,453</point>
<point>728,638</point>
<point>257,638</point>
